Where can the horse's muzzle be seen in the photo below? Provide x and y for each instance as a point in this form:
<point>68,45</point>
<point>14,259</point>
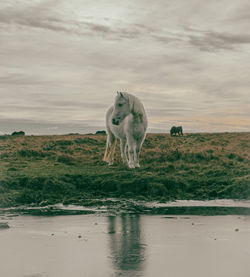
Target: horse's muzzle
<point>115,122</point>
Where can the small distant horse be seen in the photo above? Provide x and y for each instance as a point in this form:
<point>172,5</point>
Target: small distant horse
<point>176,130</point>
<point>127,121</point>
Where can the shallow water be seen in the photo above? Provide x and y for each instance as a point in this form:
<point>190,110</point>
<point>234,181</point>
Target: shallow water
<point>125,245</point>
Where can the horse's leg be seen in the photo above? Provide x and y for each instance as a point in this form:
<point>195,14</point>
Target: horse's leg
<point>138,145</point>
<point>131,149</point>
<point>110,147</point>
<point>112,152</point>
<point>123,151</point>
<point>106,154</point>
<point>137,153</point>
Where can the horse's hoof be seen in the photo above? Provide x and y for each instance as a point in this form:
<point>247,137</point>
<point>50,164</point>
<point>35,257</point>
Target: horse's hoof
<point>131,166</point>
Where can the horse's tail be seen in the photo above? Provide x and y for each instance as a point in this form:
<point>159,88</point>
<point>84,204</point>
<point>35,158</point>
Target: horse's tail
<point>109,152</point>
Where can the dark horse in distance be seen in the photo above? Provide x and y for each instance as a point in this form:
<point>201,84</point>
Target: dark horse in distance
<point>176,130</point>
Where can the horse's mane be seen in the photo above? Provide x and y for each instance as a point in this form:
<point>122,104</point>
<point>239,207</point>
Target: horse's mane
<point>135,105</point>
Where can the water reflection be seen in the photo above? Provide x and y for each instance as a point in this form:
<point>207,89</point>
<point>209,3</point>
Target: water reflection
<point>126,244</point>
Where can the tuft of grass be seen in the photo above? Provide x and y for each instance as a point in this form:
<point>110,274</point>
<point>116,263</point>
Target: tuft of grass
<point>63,142</point>
<point>88,141</point>
<point>29,153</point>
<point>231,156</point>
<point>65,159</point>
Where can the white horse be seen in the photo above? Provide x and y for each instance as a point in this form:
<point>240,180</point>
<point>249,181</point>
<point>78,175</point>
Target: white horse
<point>127,121</point>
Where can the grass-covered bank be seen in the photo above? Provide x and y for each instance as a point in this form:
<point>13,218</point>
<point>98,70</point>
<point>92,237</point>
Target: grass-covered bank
<point>69,169</point>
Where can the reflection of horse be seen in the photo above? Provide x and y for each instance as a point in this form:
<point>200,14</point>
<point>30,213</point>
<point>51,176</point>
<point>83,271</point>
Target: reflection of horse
<point>176,130</point>
<point>127,121</point>
<point>127,250</point>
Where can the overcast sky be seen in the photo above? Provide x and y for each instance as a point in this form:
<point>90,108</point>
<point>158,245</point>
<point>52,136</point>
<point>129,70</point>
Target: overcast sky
<point>61,63</point>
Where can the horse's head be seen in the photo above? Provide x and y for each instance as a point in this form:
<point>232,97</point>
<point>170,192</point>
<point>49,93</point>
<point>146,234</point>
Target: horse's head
<point>121,108</point>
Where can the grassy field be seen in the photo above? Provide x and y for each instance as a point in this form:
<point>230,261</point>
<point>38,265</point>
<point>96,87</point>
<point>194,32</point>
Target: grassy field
<point>69,169</point>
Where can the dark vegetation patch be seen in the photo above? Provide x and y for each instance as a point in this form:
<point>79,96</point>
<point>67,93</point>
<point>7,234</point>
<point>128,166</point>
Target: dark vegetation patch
<point>29,153</point>
<point>87,140</point>
<point>58,144</point>
<point>65,159</point>
<point>20,133</point>
<point>102,132</point>
<point>63,142</point>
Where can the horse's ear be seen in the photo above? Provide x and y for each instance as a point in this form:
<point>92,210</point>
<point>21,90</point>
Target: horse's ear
<point>120,94</point>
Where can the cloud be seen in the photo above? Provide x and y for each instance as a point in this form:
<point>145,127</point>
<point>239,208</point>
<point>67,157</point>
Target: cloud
<point>44,17</point>
<point>33,17</point>
<point>48,19</point>
<point>212,41</point>
<point>18,79</point>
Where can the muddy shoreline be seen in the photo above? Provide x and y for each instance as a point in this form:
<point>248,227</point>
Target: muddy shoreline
<point>118,207</point>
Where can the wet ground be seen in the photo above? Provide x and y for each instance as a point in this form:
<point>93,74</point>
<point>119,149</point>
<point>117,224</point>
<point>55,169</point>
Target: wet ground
<point>114,243</point>
<point>111,206</point>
